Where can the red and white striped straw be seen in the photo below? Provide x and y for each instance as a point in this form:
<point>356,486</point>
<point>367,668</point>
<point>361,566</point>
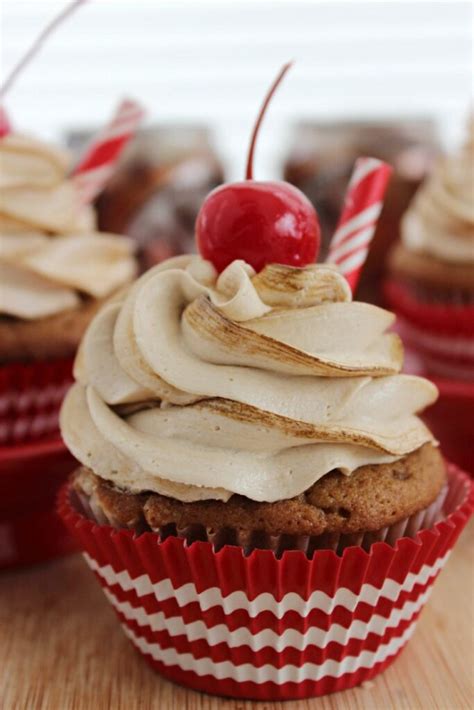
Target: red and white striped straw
<point>94,169</point>
<point>362,207</point>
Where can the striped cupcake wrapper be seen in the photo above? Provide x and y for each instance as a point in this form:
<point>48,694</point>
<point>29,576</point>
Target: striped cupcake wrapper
<point>263,627</point>
<point>31,395</point>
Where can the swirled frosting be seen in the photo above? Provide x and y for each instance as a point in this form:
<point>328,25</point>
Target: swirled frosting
<point>197,385</point>
<point>440,221</point>
<point>50,251</point>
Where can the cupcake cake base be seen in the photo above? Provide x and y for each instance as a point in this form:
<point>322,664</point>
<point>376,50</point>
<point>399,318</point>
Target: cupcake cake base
<point>376,503</point>
<point>258,626</point>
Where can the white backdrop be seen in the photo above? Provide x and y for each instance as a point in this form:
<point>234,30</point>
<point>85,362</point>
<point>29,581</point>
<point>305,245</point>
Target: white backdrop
<point>212,61</point>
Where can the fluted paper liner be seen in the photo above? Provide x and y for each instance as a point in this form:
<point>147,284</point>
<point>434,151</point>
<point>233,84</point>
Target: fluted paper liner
<point>453,317</point>
<point>258,626</point>
<point>31,395</point>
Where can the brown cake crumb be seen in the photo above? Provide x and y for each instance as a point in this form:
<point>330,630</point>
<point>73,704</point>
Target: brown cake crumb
<point>53,337</point>
<point>427,270</point>
<point>371,498</point>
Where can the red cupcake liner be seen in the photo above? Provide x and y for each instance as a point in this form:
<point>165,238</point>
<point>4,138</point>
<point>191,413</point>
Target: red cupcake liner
<point>30,477</point>
<point>30,398</point>
<point>442,336</point>
<point>258,626</point>
<point>449,319</point>
<point>451,417</point>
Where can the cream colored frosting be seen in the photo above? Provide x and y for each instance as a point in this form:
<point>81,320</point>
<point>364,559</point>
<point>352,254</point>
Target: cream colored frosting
<point>50,251</point>
<point>198,385</point>
<point>440,221</point>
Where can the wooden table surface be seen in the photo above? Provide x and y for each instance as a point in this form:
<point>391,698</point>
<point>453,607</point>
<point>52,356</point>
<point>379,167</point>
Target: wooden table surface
<point>62,649</point>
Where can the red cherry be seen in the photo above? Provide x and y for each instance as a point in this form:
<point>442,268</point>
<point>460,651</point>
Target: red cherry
<point>260,222</point>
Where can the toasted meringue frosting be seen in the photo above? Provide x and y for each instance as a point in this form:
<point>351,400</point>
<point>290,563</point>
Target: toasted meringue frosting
<point>440,221</point>
<point>197,385</point>
<point>50,251</point>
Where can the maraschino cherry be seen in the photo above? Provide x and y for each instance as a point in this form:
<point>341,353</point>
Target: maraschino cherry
<point>260,222</point>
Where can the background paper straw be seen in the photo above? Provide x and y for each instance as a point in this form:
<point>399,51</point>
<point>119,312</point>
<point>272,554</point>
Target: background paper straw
<point>95,168</point>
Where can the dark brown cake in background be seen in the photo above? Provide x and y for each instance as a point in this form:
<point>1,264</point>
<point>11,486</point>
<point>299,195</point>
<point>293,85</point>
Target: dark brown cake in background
<point>320,163</point>
<point>157,189</point>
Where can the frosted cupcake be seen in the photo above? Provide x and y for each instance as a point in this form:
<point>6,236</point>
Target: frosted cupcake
<point>55,269</point>
<point>257,494</point>
<point>432,285</point>
<point>246,391</point>
<point>250,453</point>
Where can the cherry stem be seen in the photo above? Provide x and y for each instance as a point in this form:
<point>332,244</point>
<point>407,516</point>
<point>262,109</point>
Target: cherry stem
<point>258,123</point>
<point>36,46</point>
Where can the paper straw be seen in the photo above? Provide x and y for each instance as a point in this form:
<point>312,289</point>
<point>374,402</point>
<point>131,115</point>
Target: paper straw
<point>362,207</point>
<point>94,169</point>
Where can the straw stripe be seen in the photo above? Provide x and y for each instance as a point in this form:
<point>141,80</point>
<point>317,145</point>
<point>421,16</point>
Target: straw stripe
<point>370,214</point>
<point>363,167</point>
<point>353,242</point>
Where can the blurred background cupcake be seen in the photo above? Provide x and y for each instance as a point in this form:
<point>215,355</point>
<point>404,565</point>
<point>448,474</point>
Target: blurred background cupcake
<point>56,269</point>
<point>431,287</point>
<point>156,192</point>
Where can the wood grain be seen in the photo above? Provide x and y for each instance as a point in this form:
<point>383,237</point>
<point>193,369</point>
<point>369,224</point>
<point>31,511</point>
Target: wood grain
<point>62,649</point>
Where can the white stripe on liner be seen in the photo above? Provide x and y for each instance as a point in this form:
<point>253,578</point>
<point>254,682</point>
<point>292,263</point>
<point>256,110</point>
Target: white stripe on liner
<point>286,674</point>
<point>213,596</point>
<point>358,240</point>
<point>290,638</point>
<point>370,214</point>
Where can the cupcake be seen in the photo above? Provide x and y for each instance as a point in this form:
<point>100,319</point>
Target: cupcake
<point>257,495</point>
<point>226,423</point>
<point>56,270</point>
<point>432,269</point>
<point>431,288</point>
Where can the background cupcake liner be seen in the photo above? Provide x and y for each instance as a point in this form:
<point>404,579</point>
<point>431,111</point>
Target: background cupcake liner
<point>255,626</point>
<point>442,334</point>
<point>451,417</point>
<point>30,398</point>
<point>30,477</point>
<point>438,318</point>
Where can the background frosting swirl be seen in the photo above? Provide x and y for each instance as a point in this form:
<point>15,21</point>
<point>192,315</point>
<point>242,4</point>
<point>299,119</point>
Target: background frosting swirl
<point>198,385</point>
<point>50,251</point>
<point>440,222</point>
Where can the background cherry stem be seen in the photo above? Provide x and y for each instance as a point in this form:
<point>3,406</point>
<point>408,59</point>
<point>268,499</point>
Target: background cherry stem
<point>37,44</point>
<point>268,98</point>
